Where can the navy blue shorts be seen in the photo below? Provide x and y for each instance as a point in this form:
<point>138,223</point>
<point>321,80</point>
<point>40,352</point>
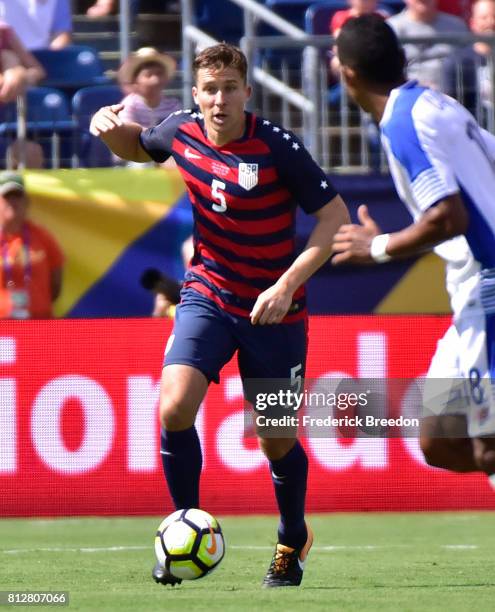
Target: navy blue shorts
<point>206,337</point>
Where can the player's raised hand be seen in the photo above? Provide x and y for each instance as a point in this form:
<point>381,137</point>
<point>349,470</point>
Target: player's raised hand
<point>106,120</point>
<point>352,243</point>
<point>271,306</point>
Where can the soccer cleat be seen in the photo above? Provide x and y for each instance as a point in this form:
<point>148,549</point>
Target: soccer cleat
<point>287,566</point>
<point>163,576</point>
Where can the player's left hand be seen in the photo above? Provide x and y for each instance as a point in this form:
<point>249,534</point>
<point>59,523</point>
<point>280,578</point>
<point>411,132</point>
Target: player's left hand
<point>352,243</point>
<point>271,306</point>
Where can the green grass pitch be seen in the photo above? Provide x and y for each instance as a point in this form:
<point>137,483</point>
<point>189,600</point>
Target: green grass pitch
<point>360,562</point>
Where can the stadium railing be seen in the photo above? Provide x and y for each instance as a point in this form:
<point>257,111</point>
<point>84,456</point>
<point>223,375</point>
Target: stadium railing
<point>339,136</point>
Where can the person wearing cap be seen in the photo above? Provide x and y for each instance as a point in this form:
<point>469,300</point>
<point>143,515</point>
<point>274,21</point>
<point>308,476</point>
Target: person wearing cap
<point>31,261</point>
<point>144,74</point>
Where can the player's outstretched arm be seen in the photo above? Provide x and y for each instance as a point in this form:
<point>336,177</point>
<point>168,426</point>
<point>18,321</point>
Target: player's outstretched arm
<point>273,304</point>
<point>121,138</point>
<point>363,244</point>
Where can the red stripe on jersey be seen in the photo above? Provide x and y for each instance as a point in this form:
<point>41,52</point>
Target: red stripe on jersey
<point>241,290</point>
<point>253,146</point>
<point>217,168</point>
<point>241,268</point>
<point>194,130</point>
<point>269,251</point>
<point>240,312</point>
<point>259,227</point>
<point>273,199</point>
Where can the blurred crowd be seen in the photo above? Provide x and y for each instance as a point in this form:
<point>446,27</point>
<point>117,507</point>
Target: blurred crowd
<point>461,71</point>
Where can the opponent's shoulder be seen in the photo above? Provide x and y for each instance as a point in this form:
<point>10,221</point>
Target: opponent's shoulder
<point>418,109</point>
<point>435,112</point>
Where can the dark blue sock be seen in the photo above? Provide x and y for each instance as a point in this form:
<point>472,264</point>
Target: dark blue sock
<point>182,461</point>
<point>289,476</point>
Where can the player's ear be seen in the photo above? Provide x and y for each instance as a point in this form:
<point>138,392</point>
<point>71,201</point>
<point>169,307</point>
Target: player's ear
<point>195,95</point>
<point>348,73</point>
<point>249,91</point>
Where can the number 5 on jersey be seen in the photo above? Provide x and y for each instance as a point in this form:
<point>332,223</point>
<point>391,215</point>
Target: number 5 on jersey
<point>217,188</point>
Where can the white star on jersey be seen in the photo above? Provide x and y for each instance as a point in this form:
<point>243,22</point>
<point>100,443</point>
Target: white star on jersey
<point>323,184</point>
<point>287,136</point>
<point>276,129</point>
<point>295,146</point>
<point>266,122</point>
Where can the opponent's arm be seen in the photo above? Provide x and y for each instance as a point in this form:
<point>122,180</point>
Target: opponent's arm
<point>273,304</point>
<point>364,244</point>
<point>121,138</point>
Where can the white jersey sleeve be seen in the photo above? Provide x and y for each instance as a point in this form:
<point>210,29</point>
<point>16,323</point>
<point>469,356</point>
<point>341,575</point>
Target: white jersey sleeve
<point>418,142</point>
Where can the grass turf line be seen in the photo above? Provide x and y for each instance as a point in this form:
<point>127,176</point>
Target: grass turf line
<point>416,561</point>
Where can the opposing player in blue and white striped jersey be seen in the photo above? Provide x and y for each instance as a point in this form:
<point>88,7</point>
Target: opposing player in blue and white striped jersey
<point>443,167</point>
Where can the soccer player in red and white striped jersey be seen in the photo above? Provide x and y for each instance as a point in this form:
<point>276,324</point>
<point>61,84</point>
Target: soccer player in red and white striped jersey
<point>244,290</point>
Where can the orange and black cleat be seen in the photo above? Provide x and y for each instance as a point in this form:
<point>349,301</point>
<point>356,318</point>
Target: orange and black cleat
<point>287,566</point>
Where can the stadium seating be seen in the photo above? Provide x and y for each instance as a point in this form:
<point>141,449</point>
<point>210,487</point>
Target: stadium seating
<point>292,11</point>
<point>222,20</point>
<point>71,68</point>
<point>48,121</point>
<point>90,150</point>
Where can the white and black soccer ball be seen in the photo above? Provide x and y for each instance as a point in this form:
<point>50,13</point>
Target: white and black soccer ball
<point>189,543</point>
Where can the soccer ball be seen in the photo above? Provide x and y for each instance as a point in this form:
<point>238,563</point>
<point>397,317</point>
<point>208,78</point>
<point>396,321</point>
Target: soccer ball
<point>189,543</point>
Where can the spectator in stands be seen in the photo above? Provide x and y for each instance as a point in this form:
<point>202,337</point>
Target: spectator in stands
<point>467,75</point>
<point>356,8</point>
<point>39,23</point>
<point>461,8</point>
<point>144,75</point>
<point>422,18</point>
<point>31,261</point>
<point>18,67</point>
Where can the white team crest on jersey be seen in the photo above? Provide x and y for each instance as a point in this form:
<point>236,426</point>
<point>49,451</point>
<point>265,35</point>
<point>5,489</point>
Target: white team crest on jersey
<point>248,176</point>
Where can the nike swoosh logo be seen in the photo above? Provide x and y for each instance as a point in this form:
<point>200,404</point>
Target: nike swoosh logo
<point>278,477</point>
<point>190,155</point>
<point>212,549</point>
